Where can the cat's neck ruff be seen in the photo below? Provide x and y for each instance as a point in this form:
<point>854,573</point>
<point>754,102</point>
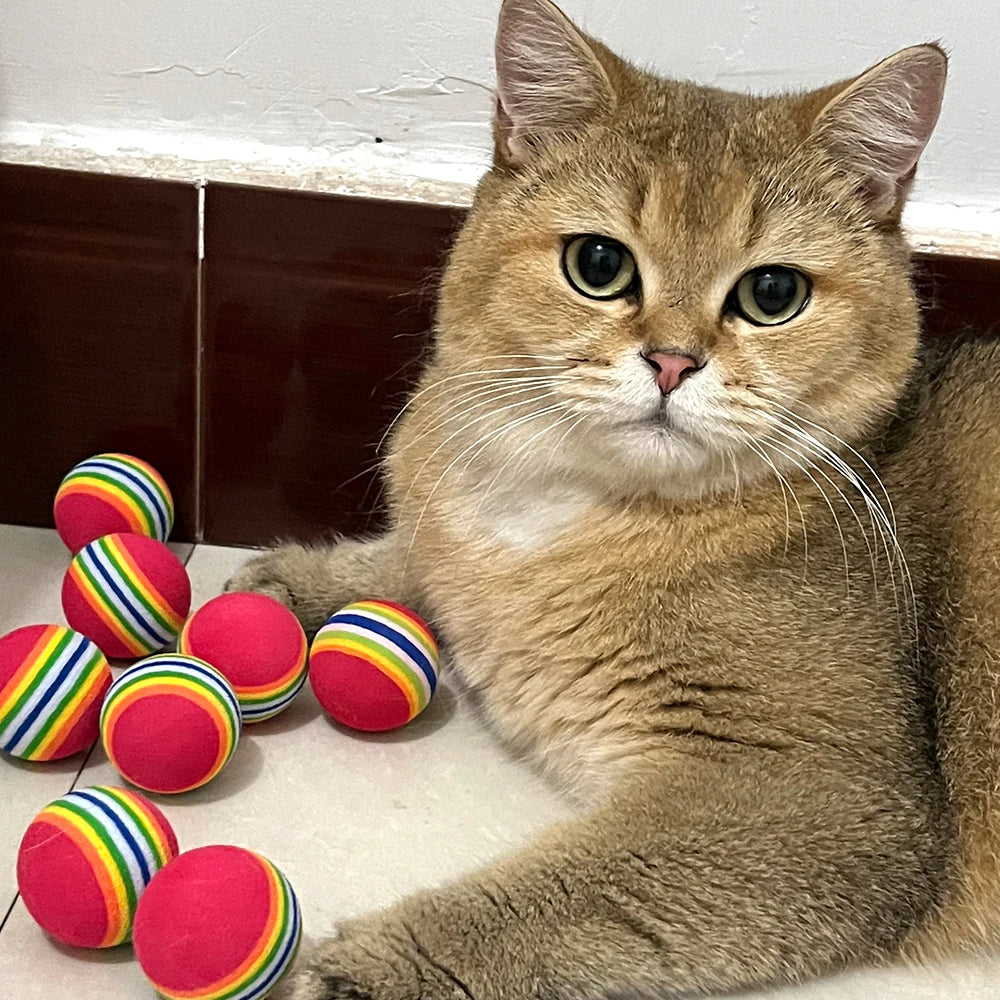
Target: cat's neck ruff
<point>522,515</point>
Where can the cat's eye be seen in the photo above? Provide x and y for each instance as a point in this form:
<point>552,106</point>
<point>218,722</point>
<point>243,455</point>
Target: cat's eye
<point>599,267</point>
<point>767,296</point>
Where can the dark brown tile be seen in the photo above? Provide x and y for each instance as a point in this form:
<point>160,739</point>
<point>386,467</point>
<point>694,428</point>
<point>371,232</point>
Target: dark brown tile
<point>317,309</point>
<point>98,299</point>
<point>958,293</point>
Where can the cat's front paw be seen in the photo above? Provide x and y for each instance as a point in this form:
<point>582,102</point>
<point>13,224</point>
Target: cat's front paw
<point>384,964</point>
<point>338,970</point>
<point>286,574</point>
<point>267,574</point>
<point>311,985</point>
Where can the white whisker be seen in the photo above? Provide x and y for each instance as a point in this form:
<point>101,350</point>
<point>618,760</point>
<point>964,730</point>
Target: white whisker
<point>880,521</point>
<point>781,427</point>
<point>843,443</point>
<point>461,375</point>
<point>521,448</point>
<point>480,442</point>
<point>486,396</point>
<point>786,488</point>
<point>884,525</point>
<point>443,444</point>
<point>833,513</point>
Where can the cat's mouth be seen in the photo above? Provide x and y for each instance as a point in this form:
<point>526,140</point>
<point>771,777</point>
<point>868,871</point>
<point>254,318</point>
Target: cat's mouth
<point>660,420</point>
<point>664,416</point>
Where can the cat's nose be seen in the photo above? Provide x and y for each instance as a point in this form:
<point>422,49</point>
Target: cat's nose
<point>670,369</point>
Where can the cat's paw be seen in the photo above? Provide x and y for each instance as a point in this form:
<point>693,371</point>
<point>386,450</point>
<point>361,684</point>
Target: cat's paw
<point>267,574</point>
<point>317,580</point>
<point>341,970</point>
<point>310,985</point>
<point>380,963</point>
<point>288,574</point>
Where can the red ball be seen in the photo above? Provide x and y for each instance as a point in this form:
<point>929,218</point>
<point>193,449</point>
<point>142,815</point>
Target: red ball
<point>85,861</point>
<point>256,643</point>
<point>170,723</point>
<point>128,593</point>
<point>52,683</point>
<point>373,666</point>
<point>217,921</point>
<point>111,493</point>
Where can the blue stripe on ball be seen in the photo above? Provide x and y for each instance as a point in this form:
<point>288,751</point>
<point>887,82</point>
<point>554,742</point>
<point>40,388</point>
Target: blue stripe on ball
<point>393,635</point>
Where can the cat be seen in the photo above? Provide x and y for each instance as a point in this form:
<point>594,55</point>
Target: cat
<point>707,533</point>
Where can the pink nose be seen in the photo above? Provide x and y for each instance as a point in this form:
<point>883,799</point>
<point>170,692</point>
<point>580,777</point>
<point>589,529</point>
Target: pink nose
<point>671,369</point>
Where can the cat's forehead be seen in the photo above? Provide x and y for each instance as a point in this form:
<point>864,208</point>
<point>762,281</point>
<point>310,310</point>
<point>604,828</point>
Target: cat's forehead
<point>690,173</point>
<point>657,197</point>
<point>668,201</point>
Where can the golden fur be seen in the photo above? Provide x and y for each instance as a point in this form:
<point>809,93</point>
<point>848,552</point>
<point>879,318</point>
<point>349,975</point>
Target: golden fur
<point>753,636</point>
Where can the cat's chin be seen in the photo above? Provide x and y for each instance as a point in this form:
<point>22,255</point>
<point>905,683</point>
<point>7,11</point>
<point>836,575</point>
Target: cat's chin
<point>655,455</point>
<point>660,437</point>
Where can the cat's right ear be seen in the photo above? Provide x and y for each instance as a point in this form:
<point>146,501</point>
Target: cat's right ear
<point>550,82</point>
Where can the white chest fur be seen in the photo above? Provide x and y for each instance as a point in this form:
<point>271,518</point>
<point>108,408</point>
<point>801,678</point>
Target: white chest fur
<point>522,516</point>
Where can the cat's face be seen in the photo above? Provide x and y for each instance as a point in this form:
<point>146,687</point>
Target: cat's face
<point>674,285</point>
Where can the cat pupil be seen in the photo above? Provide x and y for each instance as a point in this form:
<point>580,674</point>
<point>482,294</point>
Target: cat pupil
<point>774,291</point>
<point>600,262</point>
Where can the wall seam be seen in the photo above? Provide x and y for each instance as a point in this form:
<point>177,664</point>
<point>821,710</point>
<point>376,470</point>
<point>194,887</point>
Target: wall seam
<point>199,372</point>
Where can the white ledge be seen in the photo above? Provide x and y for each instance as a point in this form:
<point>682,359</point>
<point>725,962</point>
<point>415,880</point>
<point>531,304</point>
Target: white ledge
<point>439,176</point>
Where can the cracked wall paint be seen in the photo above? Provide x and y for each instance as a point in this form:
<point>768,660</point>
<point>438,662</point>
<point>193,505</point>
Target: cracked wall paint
<point>310,84</point>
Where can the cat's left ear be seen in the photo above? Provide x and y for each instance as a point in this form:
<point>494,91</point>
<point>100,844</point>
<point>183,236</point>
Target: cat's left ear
<point>880,122</point>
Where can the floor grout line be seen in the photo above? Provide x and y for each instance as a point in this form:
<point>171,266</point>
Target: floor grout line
<point>83,766</point>
<point>10,910</point>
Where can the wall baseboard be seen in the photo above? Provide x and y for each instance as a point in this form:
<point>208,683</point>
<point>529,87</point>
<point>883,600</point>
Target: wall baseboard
<point>259,379</point>
<point>366,171</point>
<point>378,171</point>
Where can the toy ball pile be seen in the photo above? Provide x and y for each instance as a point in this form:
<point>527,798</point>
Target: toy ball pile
<point>100,866</point>
<point>124,588</point>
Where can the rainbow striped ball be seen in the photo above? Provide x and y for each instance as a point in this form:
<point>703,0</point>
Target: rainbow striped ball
<point>170,723</point>
<point>256,643</point>
<point>112,493</point>
<point>85,861</point>
<point>128,593</point>
<point>374,665</point>
<point>52,683</point>
<point>219,922</point>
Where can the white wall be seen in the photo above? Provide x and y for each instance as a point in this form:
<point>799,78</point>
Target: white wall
<point>303,87</point>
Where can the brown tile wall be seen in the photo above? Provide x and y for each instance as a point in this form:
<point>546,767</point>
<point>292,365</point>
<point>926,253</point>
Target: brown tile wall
<point>314,313</point>
<point>98,314</point>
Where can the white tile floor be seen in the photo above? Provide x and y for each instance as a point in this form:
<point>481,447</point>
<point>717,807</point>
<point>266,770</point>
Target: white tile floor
<point>398,812</point>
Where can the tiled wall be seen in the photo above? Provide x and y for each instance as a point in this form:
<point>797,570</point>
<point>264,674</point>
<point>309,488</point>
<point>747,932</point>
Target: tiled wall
<point>259,380</point>
<point>258,383</point>
<point>316,312</point>
<point>98,315</point>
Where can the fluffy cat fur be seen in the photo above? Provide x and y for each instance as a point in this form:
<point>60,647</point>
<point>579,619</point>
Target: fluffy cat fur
<point>752,629</point>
